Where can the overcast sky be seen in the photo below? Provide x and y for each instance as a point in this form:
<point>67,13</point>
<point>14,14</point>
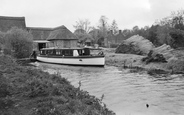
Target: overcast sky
<point>53,13</point>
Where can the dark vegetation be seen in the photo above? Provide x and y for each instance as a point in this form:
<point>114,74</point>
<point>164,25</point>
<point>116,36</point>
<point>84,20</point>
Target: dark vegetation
<point>169,30</point>
<point>16,42</point>
<point>28,91</point>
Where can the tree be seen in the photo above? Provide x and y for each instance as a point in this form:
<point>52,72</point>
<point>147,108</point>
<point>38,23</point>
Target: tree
<point>18,43</point>
<point>104,28</point>
<point>135,28</point>
<point>82,35</point>
<point>127,33</point>
<point>178,19</point>
<point>96,34</point>
<point>103,25</point>
<point>175,20</point>
<point>163,35</point>
<point>152,35</point>
<point>169,28</point>
<point>178,38</point>
<point>84,25</point>
<point>114,27</point>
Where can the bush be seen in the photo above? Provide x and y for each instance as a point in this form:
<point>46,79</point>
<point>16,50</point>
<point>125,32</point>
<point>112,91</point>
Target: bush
<point>18,43</point>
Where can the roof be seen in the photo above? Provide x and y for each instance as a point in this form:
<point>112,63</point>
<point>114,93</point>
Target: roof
<point>61,33</point>
<point>6,23</point>
<point>12,18</point>
<point>73,48</point>
<point>39,28</point>
<point>40,41</point>
<point>39,33</point>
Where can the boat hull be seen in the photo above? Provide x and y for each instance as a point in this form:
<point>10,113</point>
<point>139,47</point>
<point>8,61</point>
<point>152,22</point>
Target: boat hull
<point>70,60</point>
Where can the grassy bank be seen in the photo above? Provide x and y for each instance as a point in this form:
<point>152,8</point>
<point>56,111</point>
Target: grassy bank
<point>28,91</point>
<point>174,65</point>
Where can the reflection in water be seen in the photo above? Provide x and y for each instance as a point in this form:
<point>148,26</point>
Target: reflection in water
<point>127,93</point>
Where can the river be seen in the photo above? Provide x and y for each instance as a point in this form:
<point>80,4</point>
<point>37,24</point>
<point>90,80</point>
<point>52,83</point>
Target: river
<point>126,92</point>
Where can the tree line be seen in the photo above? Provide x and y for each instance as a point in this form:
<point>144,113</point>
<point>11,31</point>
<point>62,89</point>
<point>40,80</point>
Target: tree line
<point>169,30</point>
<point>84,30</point>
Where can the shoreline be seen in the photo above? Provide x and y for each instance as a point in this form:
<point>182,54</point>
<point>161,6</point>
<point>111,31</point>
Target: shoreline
<point>133,61</point>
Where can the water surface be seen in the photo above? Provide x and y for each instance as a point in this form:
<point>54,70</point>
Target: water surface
<point>127,93</point>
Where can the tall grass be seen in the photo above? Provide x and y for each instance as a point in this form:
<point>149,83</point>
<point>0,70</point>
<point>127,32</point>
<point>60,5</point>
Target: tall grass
<point>28,91</point>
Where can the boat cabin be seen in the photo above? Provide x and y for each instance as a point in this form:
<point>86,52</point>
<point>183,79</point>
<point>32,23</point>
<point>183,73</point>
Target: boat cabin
<point>65,52</point>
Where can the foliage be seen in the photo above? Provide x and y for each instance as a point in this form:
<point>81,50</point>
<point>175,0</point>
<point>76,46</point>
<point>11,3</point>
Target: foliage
<point>163,35</point>
<point>178,38</point>
<point>95,34</point>
<point>82,36</point>
<point>104,28</point>
<point>17,42</point>
<point>167,30</point>
<point>29,91</point>
<point>83,24</point>
<point>114,27</point>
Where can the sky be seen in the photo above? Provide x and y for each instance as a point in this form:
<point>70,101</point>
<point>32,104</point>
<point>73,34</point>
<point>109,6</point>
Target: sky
<point>54,13</point>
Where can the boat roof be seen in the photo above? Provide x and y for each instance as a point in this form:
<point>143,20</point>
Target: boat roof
<point>40,41</point>
<point>73,48</point>
<point>51,48</point>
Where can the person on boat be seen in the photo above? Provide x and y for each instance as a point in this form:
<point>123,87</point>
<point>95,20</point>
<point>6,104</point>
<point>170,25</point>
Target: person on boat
<point>33,55</point>
<point>101,53</point>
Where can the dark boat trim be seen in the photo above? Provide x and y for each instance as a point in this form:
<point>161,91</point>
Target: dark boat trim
<point>72,64</point>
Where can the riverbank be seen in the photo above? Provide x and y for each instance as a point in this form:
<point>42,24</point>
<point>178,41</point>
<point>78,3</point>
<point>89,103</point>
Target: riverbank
<point>135,61</point>
<point>28,91</point>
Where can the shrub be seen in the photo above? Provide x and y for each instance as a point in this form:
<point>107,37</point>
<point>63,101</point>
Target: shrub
<point>18,43</point>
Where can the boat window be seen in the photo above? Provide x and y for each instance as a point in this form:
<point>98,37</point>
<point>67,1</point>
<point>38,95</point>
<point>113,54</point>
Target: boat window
<point>86,51</point>
<point>43,52</point>
<point>54,52</point>
<point>67,52</point>
<point>50,52</point>
<point>58,52</point>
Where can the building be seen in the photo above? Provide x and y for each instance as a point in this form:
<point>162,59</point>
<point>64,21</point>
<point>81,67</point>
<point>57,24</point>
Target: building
<point>62,37</point>
<point>6,23</point>
<point>42,37</point>
<point>39,36</point>
<point>119,37</point>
